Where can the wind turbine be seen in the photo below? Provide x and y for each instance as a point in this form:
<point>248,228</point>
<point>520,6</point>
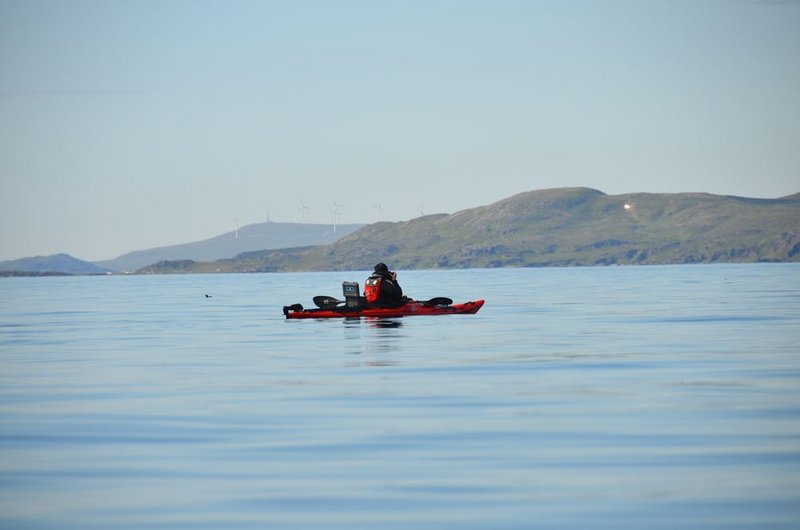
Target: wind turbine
<point>303,209</point>
<point>337,211</point>
<point>238,220</point>
<point>380,211</point>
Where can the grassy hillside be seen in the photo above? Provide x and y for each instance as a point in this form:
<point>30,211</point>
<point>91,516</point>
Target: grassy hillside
<point>559,227</point>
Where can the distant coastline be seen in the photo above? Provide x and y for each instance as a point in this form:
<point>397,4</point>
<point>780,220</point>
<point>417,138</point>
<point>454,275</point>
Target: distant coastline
<point>544,228</point>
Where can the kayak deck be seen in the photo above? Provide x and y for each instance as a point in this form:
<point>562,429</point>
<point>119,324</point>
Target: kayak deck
<point>412,308</point>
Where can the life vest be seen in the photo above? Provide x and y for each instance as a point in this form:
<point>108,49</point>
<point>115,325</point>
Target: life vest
<point>372,289</point>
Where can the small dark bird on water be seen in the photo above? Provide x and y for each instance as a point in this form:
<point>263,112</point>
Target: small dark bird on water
<point>209,296</point>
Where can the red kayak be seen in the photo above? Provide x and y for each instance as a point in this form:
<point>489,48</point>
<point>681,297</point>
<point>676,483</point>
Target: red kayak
<point>410,308</point>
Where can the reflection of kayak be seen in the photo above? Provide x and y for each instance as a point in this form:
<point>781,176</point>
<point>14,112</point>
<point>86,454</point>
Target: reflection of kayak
<point>410,308</point>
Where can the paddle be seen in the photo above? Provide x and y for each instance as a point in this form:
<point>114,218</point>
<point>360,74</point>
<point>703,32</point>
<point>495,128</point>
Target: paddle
<point>438,300</point>
<point>328,302</point>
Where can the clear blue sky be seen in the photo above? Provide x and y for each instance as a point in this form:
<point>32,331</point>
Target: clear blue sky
<point>132,124</point>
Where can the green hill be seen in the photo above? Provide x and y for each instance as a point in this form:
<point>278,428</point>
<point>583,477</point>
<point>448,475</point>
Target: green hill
<point>557,227</point>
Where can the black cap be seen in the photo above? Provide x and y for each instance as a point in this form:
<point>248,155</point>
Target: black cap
<point>381,267</point>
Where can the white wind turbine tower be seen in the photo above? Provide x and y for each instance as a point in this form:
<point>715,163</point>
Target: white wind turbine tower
<point>303,209</point>
<point>380,211</point>
<point>337,211</point>
<point>238,221</point>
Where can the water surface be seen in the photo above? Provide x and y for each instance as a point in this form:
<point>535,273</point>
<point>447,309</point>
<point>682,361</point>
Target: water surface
<point>620,397</point>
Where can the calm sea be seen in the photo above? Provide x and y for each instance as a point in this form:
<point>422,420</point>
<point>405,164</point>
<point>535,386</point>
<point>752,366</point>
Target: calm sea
<point>619,397</point>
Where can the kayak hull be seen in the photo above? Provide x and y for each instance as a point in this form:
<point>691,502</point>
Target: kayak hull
<point>409,309</point>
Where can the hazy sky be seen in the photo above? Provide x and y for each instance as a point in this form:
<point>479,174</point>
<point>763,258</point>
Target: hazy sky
<point>132,124</point>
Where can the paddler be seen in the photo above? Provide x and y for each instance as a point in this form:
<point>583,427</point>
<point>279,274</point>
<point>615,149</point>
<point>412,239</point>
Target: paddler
<point>381,288</point>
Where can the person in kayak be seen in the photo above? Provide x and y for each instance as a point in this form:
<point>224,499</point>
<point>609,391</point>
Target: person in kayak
<point>381,288</point>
